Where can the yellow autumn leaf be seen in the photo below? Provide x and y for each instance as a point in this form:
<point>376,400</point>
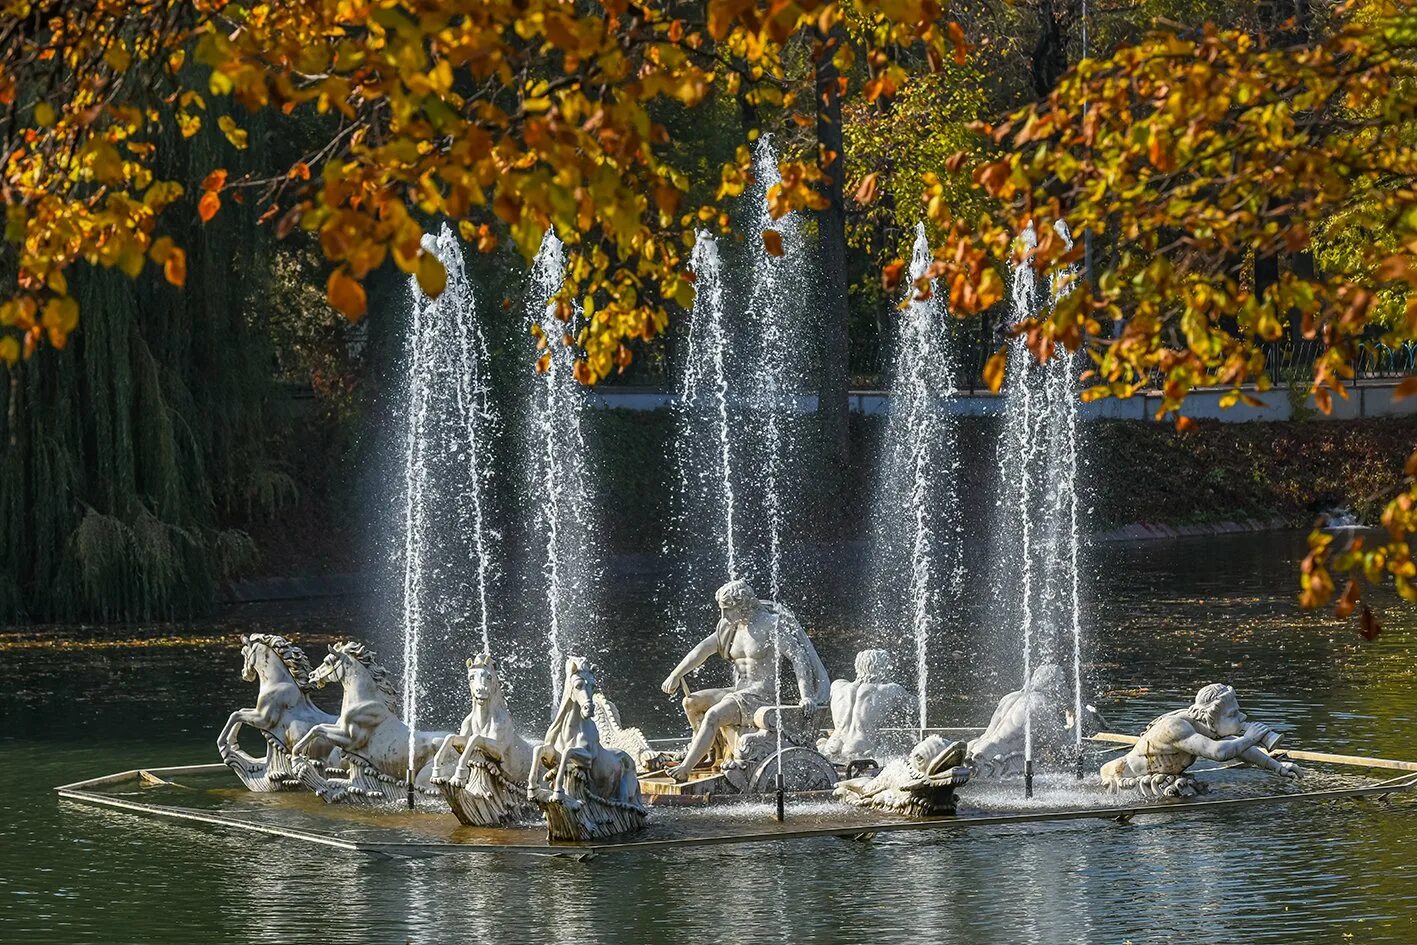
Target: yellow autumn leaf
<point>432,277</point>
<point>346,294</point>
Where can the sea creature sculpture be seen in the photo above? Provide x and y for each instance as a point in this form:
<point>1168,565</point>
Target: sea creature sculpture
<point>372,739</point>
<point>922,784</point>
<point>283,713</point>
<point>749,634</point>
<point>1213,727</point>
<point>1046,706</point>
<point>587,791</point>
<point>862,708</point>
<point>486,785</point>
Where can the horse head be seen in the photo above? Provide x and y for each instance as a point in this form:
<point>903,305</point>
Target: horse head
<point>248,658</point>
<point>257,650</point>
<point>580,684</point>
<point>484,681</point>
<point>331,669</point>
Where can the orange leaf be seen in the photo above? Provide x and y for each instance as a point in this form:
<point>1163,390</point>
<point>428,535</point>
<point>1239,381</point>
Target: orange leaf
<point>890,275</point>
<point>956,34</point>
<point>345,294</point>
<point>1349,600</point>
<point>216,180</point>
<point>208,205</point>
<point>994,368</point>
<point>1184,423</point>
<point>1407,388</point>
<point>174,266</point>
<point>866,193</point>
<point>772,242</point>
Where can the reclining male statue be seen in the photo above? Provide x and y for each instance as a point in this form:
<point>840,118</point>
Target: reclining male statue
<point>1045,709</point>
<point>1213,727</point>
<point>745,637</point>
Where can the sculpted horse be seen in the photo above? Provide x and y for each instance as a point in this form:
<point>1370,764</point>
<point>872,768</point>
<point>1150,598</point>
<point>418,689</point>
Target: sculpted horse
<point>586,790</point>
<point>283,713</point>
<point>486,786</point>
<point>371,737</point>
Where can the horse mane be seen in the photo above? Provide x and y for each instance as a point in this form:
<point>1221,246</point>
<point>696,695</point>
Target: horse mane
<point>380,675</point>
<point>294,658</point>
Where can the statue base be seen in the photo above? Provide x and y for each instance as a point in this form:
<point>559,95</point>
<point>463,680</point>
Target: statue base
<point>486,798</point>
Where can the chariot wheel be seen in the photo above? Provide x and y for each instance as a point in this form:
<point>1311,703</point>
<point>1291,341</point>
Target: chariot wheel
<point>803,769</point>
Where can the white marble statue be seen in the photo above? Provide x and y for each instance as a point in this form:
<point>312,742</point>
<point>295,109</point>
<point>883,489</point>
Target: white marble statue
<point>922,784</point>
<point>482,770</point>
<point>587,791</point>
<point>371,737</point>
<point>1213,727</point>
<point>999,750</point>
<point>283,713</point>
<point>745,638</point>
<point>862,708</point>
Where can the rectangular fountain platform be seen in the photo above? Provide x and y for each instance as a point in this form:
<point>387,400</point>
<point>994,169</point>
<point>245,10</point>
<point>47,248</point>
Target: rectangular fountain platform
<point>209,795</point>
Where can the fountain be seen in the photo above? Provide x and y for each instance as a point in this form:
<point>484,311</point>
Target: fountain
<point>563,526</point>
<point>916,520</point>
<point>1038,571</point>
<point>447,470</point>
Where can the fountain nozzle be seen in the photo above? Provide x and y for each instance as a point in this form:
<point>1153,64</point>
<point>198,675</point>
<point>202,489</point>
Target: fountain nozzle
<point>1028,778</point>
<point>780,805</point>
<point>1079,761</point>
<point>410,789</point>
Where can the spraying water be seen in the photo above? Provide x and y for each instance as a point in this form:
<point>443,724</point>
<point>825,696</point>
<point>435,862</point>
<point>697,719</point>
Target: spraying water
<point>1039,571</point>
<point>917,527</point>
<point>447,469</point>
<point>776,374</point>
<point>564,528</point>
<point>703,446</point>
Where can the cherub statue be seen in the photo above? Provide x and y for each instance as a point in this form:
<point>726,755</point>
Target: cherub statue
<point>745,637</point>
<point>1213,727</point>
<point>861,708</point>
<point>1050,703</point>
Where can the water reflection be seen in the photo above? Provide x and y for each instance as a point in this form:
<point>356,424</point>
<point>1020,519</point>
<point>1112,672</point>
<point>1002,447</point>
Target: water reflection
<point>1177,617</point>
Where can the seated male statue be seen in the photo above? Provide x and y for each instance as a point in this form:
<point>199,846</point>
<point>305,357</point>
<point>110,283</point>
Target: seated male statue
<point>745,638</point>
<point>1213,727</point>
<point>1046,707</point>
<point>862,708</point>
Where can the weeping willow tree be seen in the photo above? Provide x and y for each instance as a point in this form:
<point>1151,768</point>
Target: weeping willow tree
<point>124,454</point>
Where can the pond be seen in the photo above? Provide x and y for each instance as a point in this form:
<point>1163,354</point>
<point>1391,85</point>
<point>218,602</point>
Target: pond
<point>1166,618</point>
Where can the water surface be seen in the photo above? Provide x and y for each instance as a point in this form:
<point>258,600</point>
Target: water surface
<point>1169,618</point>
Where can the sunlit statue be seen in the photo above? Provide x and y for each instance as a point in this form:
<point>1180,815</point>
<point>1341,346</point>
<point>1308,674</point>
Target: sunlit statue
<point>373,741</point>
<point>482,770</point>
<point>863,708</point>
<point>586,790</point>
<point>745,637</point>
<point>1049,700</point>
<point>921,784</point>
<point>1213,727</point>
<point>283,713</point>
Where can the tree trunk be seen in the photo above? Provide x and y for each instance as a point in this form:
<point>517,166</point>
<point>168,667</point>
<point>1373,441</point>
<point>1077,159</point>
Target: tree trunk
<point>833,402</point>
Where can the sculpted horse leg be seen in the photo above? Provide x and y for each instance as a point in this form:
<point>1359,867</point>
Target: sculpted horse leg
<point>331,732</point>
<point>440,758</point>
<point>227,742</point>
